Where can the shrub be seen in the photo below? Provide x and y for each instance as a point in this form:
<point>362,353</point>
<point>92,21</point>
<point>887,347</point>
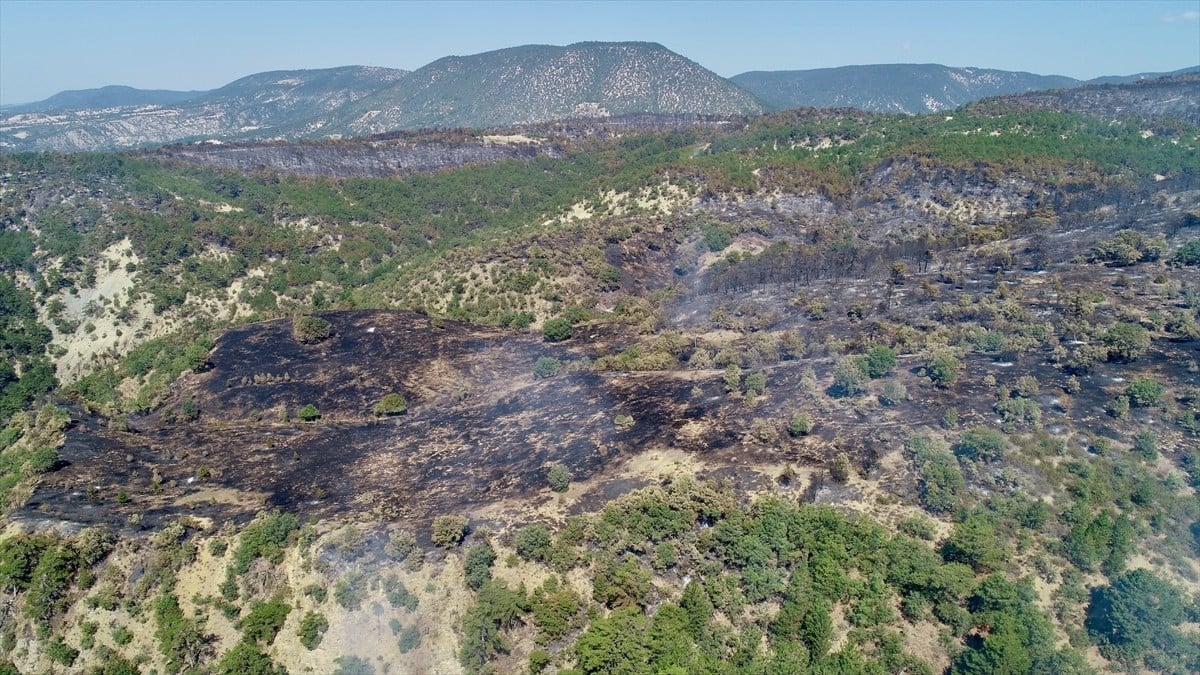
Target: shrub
<point>309,413</point>
<point>477,565</point>
<point>410,639</point>
<point>764,431</point>
<point>556,330</point>
<point>61,653</point>
<point>944,369</point>
<point>1119,408</point>
<point>1128,247</point>
<point>939,479</point>
<point>533,543</point>
<point>448,531</point>
<point>264,539</point>
<point>390,404</point>
<point>264,620</point>
<point>545,367</point>
<point>623,422</point>
<point>311,329</point>
<point>755,383</point>
<point>312,629</point>
<point>982,444</point>
<point>1135,612</point>
<point>801,424</point>
<point>1145,443</point>
<point>558,477</point>
<point>880,361</point>
<point>848,379</point>
<point>1127,341</point>
<point>1144,392</point>
<point>1188,254</point>
<point>841,469</point>
<point>539,659</point>
<point>246,659</point>
<point>893,393</point>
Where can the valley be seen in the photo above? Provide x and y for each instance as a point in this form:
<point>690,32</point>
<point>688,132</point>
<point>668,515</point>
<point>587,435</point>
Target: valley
<point>810,391</point>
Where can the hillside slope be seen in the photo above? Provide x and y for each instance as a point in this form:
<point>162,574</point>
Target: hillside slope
<point>894,88</point>
<point>539,83</point>
<point>257,105</point>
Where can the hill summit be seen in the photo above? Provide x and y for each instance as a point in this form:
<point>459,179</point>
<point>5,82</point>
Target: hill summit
<point>539,83</point>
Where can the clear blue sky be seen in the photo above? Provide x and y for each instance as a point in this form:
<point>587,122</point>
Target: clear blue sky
<point>48,46</point>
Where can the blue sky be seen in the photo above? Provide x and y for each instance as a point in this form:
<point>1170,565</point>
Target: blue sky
<point>48,46</point>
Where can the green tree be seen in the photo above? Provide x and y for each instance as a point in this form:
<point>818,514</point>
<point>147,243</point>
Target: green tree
<point>448,531</point>
<point>558,477</point>
<point>477,566</point>
<point>881,360</point>
<point>944,369</point>
<point>982,444</point>
<point>1126,342</point>
<point>848,378</point>
<point>1144,392</point>
<point>1137,611</point>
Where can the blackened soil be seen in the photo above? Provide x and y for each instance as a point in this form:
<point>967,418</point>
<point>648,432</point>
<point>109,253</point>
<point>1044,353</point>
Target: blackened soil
<point>479,426</point>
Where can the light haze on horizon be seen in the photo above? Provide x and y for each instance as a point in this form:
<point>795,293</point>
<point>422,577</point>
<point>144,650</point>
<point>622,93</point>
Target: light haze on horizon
<point>51,46</point>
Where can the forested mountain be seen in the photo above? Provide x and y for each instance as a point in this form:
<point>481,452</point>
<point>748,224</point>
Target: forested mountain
<point>817,391</point>
<point>903,88</point>
<point>540,83</point>
<point>521,85</point>
<point>261,106</point>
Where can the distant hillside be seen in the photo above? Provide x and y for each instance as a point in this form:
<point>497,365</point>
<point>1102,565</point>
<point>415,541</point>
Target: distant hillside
<point>112,96</point>
<point>896,88</point>
<point>525,85</point>
<point>539,83</point>
<point>255,105</point>
<point>1174,96</point>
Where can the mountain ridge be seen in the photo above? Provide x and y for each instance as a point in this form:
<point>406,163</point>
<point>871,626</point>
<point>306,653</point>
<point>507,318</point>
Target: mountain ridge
<point>527,84</point>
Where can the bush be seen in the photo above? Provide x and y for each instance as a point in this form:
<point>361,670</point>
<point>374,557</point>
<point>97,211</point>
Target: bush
<point>556,330</point>
<point>312,629</point>
<point>410,639</point>
<point>264,539</point>
<point>801,424</point>
<point>545,367</point>
<point>944,369</point>
<point>1145,443</point>
<point>309,413</point>
<point>893,393</point>
<point>848,379</point>
<point>539,659</point>
<point>1135,612</point>
<point>390,404</point>
<point>448,531</point>
<point>1127,342</point>
<point>61,653</point>
<point>939,479</point>
<point>246,659</point>
<point>533,543</point>
<point>880,361</point>
<point>981,444</point>
<point>841,469</point>
<point>265,619</point>
<point>1189,253</point>
<point>1144,392</point>
<point>558,477</point>
<point>311,329</point>
<point>477,566</point>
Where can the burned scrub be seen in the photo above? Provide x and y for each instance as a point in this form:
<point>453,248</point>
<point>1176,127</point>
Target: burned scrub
<point>479,426</point>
